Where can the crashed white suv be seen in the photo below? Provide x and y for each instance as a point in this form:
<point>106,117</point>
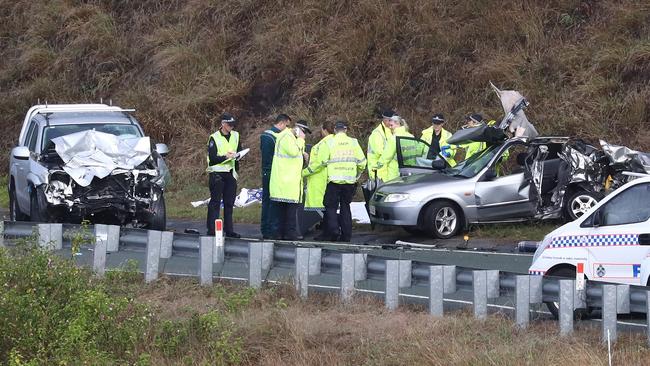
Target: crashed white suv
<point>87,161</point>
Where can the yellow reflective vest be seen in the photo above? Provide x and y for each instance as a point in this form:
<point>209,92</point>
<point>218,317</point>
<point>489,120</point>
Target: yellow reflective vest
<point>224,146</point>
<point>389,156</point>
<point>427,136</point>
<point>376,145</point>
<point>345,161</point>
<point>286,171</point>
<point>472,148</point>
<point>316,174</point>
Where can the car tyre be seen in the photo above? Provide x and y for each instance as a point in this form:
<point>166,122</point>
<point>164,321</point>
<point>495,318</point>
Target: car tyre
<point>14,210</point>
<point>37,206</point>
<point>443,219</point>
<point>554,307</point>
<point>579,203</point>
<point>158,216</point>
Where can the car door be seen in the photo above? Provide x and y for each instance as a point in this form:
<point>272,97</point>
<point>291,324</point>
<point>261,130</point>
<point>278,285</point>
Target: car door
<point>502,193</point>
<point>412,156</point>
<point>22,167</point>
<point>617,236</point>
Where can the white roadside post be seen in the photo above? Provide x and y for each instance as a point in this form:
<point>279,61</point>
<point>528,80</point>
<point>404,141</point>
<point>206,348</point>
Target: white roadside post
<point>218,253</point>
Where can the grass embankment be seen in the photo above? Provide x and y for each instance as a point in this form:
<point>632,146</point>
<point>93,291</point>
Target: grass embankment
<point>54,313</point>
<point>582,64</point>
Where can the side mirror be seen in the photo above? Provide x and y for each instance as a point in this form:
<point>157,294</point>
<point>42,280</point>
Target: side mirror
<point>20,152</point>
<point>490,174</point>
<point>162,149</point>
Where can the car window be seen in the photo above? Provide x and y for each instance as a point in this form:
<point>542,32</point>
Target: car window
<point>123,130</point>
<point>508,162</point>
<point>472,166</point>
<point>32,136</point>
<point>412,153</point>
<point>628,207</point>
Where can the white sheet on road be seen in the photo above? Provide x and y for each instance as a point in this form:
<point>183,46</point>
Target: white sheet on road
<point>90,154</point>
<point>247,197</point>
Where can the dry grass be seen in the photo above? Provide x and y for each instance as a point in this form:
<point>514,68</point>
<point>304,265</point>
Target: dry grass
<point>279,329</point>
<point>583,64</point>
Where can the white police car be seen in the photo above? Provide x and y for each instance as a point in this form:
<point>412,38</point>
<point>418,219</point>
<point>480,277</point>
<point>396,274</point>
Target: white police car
<point>611,241</point>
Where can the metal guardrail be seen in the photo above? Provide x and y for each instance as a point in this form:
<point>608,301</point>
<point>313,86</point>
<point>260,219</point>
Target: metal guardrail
<point>305,262</point>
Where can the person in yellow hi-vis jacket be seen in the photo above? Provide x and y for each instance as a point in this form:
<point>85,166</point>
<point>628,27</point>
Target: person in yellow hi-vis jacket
<point>436,136</point>
<point>389,156</point>
<point>472,148</point>
<point>316,173</point>
<point>345,163</point>
<point>286,179</point>
<point>222,172</point>
<point>376,145</point>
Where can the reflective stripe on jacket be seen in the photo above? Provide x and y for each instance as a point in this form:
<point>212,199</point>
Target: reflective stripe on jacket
<point>376,145</point>
<point>286,171</point>
<point>224,146</point>
<point>316,174</point>
<point>345,161</point>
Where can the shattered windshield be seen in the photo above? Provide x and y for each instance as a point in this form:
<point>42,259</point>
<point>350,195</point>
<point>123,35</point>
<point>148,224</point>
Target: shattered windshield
<point>472,166</point>
<point>117,129</point>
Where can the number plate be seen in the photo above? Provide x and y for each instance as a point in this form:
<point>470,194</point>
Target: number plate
<point>372,210</point>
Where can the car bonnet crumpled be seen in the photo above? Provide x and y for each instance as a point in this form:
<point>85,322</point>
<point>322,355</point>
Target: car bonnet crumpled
<point>638,162</point>
<point>90,154</point>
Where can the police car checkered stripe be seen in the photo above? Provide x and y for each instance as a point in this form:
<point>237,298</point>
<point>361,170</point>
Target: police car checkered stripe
<point>573,241</point>
<point>536,273</point>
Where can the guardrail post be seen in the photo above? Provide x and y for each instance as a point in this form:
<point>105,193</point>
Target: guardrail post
<point>267,256</point>
<point>522,301</point>
<point>436,287</point>
<point>623,299</point>
<point>206,246</point>
<point>166,244</point>
<point>449,279</point>
<point>609,313</point>
<point>2,234</point>
<point>50,236</point>
<point>301,277</point>
<point>567,288</point>
<point>254,265</point>
<point>405,266</point>
<point>536,289</point>
<point>393,276</point>
<point>492,278</point>
<point>113,242</point>
<point>347,276</point>
<point>99,256</point>
<point>479,285</point>
<point>315,255</point>
<point>153,255</point>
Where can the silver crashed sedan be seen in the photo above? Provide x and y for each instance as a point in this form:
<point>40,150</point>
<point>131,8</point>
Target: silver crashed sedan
<point>517,180</point>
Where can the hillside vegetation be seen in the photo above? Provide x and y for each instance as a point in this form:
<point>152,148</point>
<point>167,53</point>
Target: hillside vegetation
<point>584,65</point>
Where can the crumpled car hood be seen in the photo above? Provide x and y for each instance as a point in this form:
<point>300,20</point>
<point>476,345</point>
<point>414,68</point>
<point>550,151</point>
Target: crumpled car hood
<point>637,161</point>
<point>90,154</point>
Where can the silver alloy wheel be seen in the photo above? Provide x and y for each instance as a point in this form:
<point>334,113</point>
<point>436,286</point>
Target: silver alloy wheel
<point>446,221</point>
<point>581,204</point>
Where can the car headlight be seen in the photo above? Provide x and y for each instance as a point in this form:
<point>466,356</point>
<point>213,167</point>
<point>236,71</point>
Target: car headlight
<point>396,197</point>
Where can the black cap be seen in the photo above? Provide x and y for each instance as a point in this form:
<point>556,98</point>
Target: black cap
<point>228,118</point>
<point>302,124</point>
<point>474,117</point>
<point>340,125</point>
<point>388,113</point>
<point>438,119</point>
